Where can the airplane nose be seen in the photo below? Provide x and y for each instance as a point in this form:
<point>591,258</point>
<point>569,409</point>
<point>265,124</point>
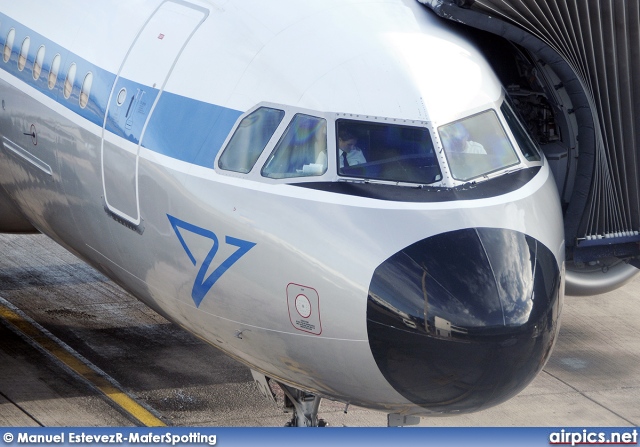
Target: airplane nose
<point>464,320</point>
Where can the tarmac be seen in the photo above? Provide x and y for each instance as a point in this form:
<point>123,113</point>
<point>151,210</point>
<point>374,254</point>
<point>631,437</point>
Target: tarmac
<point>76,350</point>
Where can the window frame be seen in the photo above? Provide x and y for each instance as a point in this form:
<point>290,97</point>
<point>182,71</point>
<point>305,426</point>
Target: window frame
<point>69,81</point>
<point>9,42</point>
<point>507,103</point>
<point>508,136</point>
<point>23,55</point>
<point>54,71</point>
<point>281,140</point>
<point>399,123</point>
<point>234,131</point>
<point>38,62</point>
<point>85,92</point>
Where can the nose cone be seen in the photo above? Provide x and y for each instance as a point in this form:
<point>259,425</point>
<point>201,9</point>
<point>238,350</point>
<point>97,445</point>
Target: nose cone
<point>464,320</point>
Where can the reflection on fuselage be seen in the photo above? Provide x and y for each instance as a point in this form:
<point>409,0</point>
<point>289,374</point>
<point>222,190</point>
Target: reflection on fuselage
<point>480,302</point>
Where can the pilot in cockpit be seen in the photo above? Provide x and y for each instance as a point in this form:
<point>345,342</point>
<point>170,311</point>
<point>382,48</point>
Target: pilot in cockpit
<point>348,153</point>
<point>456,139</point>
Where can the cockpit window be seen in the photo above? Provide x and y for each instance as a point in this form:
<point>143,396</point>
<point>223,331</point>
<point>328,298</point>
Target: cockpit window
<point>477,145</point>
<point>378,151</point>
<point>249,140</point>
<point>302,150</point>
<point>527,146</point>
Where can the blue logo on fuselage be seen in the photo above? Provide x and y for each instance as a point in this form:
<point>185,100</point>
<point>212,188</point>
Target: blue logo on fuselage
<point>203,283</point>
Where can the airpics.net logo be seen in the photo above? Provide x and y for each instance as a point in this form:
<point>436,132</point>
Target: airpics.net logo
<point>587,437</point>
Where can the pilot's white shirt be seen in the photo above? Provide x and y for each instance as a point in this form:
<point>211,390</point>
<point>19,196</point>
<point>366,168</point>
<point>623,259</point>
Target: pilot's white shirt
<point>355,157</point>
<point>471,147</point>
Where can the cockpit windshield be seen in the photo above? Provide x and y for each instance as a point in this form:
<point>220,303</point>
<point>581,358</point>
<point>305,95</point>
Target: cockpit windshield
<point>477,145</point>
<point>302,150</point>
<point>379,151</point>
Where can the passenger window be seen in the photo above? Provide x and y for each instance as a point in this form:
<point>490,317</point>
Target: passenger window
<point>388,152</point>
<point>302,150</point>
<point>249,140</point>
<point>86,90</point>
<point>477,145</point>
<point>24,52</point>
<point>37,64</point>
<point>53,71</point>
<point>68,82</point>
<point>528,147</point>
<point>8,45</point>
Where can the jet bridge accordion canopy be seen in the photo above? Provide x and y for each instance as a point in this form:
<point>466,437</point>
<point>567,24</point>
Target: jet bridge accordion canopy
<point>594,47</point>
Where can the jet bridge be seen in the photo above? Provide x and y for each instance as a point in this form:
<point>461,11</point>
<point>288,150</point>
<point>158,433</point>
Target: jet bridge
<point>589,54</point>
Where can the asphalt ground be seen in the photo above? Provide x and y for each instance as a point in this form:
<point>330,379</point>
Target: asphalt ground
<point>76,350</point>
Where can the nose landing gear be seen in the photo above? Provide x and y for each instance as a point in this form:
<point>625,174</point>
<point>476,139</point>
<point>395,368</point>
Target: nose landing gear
<point>304,405</point>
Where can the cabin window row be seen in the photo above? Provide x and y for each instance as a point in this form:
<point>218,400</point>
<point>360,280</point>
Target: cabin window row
<point>54,68</point>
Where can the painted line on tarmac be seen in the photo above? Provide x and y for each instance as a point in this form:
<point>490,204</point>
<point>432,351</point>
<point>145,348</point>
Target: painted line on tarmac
<point>48,343</point>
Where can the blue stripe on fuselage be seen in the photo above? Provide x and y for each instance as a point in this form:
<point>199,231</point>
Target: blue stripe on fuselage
<point>189,130</point>
<point>182,128</point>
